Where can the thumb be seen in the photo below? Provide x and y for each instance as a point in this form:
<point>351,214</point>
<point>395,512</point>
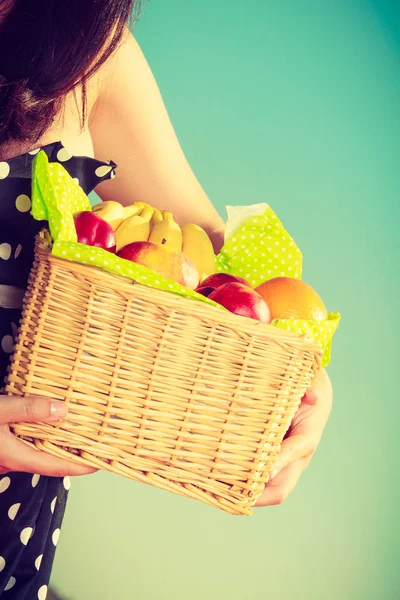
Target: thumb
<point>14,409</point>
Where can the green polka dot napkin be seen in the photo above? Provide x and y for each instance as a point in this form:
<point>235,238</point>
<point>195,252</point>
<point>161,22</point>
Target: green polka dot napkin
<point>257,246</point>
<point>112,263</point>
<point>260,248</point>
<point>56,197</point>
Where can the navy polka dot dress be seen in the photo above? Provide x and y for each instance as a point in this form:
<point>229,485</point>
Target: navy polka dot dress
<point>31,506</point>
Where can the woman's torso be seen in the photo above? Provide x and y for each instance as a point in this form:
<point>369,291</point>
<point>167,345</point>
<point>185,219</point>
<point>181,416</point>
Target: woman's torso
<point>75,152</point>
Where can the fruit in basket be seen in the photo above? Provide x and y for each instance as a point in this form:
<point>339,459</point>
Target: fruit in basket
<point>290,298</point>
<point>156,218</point>
<point>205,290</point>
<point>135,228</point>
<point>133,209</point>
<point>162,260</point>
<point>167,232</point>
<point>197,245</point>
<point>218,279</point>
<point>110,211</point>
<point>92,230</point>
<point>242,300</point>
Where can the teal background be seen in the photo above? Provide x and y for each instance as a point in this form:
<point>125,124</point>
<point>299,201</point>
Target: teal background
<point>297,104</point>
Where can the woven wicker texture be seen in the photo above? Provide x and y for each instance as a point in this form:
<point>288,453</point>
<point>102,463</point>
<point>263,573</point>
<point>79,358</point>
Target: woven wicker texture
<point>168,391</point>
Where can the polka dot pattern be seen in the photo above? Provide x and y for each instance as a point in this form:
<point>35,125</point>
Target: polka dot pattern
<point>42,593</point>
<point>11,582</point>
<point>63,155</point>
<point>318,331</point>
<point>56,536</point>
<point>7,344</point>
<point>260,249</point>
<point>53,504</point>
<point>56,198</point>
<point>4,484</point>
<point>26,535</point>
<point>98,257</point>
<point>32,507</point>
<point>5,251</point>
<point>4,170</point>
<point>13,511</point>
<point>23,203</point>
<point>103,170</point>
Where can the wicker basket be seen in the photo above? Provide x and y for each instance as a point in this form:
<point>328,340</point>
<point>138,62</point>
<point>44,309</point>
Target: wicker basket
<point>168,391</point>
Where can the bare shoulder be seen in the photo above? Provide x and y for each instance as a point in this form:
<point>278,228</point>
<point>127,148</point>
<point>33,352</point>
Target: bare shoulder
<point>118,69</point>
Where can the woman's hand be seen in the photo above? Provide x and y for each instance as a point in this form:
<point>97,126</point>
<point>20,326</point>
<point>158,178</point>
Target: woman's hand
<point>300,442</point>
<point>17,456</point>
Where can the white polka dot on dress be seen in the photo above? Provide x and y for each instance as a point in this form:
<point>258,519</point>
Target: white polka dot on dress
<point>63,155</point>
<point>26,535</point>
<point>4,484</point>
<point>23,203</point>
<point>38,561</point>
<point>5,251</point>
<point>4,169</point>
<point>42,593</point>
<point>35,480</point>
<point>103,170</point>
<point>10,584</point>
<point>7,343</point>
<point>2,563</point>
<point>53,504</point>
<point>67,482</point>
<point>56,536</point>
<point>13,511</point>
<point>17,251</point>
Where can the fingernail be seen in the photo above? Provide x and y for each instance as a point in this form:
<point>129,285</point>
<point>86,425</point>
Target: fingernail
<point>274,472</point>
<point>57,409</point>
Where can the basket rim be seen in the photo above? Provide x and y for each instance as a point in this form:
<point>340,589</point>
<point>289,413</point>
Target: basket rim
<point>178,303</point>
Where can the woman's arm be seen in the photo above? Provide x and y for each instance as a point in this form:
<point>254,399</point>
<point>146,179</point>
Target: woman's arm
<point>129,123</point>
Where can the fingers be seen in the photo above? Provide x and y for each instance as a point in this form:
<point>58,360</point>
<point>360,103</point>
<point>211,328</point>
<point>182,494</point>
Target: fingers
<point>321,389</point>
<point>293,448</point>
<point>17,456</point>
<point>14,409</point>
<point>310,397</point>
<point>277,490</point>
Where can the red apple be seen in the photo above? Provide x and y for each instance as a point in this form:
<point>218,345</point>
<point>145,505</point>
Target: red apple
<point>163,260</point>
<point>92,230</point>
<point>219,279</point>
<point>205,291</point>
<point>242,300</point>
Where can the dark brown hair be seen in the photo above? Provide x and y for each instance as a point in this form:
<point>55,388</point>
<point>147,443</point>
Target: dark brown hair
<point>47,49</point>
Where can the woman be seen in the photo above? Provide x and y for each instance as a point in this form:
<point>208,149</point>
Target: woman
<point>74,82</point>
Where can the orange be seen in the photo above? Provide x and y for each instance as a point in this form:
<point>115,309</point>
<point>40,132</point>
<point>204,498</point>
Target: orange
<point>289,298</point>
